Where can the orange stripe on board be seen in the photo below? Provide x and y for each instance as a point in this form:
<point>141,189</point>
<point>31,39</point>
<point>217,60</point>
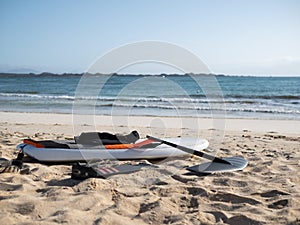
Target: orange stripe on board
<point>119,146</point>
<point>146,142</point>
<point>123,146</point>
<point>34,144</point>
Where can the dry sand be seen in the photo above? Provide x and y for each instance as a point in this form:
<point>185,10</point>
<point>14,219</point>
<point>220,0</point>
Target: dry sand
<point>265,192</point>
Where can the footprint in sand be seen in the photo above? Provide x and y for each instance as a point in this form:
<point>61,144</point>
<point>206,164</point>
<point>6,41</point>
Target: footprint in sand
<point>25,208</point>
<point>229,182</point>
<point>8,197</point>
<point>182,179</point>
<point>196,191</point>
<point>232,198</point>
<point>145,207</point>
<point>234,220</point>
<point>219,216</point>
<point>272,193</point>
<point>275,193</point>
<point>279,204</point>
<point>241,219</point>
<point>10,187</point>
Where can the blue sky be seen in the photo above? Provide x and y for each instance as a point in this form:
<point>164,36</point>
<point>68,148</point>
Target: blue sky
<point>232,37</point>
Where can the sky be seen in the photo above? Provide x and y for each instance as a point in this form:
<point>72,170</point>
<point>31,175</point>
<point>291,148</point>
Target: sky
<point>254,37</point>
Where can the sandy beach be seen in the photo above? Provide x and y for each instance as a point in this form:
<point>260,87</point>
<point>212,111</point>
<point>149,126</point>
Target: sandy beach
<point>265,192</point>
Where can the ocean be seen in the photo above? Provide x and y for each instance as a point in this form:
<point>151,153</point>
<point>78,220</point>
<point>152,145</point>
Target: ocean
<point>162,95</point>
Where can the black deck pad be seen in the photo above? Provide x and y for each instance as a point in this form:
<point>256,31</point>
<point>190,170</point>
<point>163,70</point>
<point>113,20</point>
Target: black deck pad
<point>104,138</point>
<point>90,140</point>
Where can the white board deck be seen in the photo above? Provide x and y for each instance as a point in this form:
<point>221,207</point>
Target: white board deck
<point>86,154</point>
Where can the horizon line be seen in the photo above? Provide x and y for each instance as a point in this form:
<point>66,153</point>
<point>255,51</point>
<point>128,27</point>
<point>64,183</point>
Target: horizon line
<point>138,74</point>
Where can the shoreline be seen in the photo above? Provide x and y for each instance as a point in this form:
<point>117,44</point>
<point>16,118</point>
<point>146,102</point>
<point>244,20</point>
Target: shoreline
<point>191,123</point>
